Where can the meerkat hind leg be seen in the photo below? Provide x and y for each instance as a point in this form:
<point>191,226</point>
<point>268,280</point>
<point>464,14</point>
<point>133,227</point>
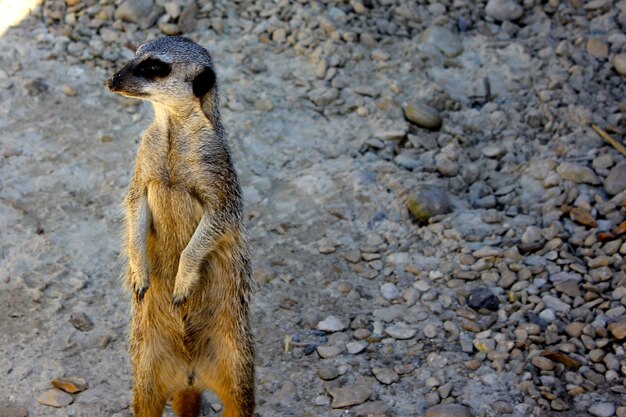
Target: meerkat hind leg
<point>233,381</point>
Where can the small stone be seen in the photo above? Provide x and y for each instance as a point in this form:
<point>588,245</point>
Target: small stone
<point>441,38</point>
<point>385,375</point>
<point>502,407</point>
<point>482,297</point>
<point>279,35</point>
<point>602,409</point>
<point>326,352</point>
<point>618,330</point>
<point>485,345</point>
<point>389,291</point>
<point>558,404</point>
<point>263,104</point>
<point>69,91</point>
<point>542,363</point>
<point>332,324</point>
<point>556,304</point>
<point>70,384</point>
<point>323,96</point>
<point>13,411</point>
<point>187,21</point>
<point>403,369</point>
<point>400,331</point>
<point>328,373</point>
<point>350,395</point>
<point>380,55</point>
<point>448,410</point>
<point>576,173</point>
<point>615,182</point>
<point>504,10</point>
<point>55,398</point>
<point>532,234</point>
<point>81,321</point>
<point>354,348</point>
<point>582,216</point>
<point>597,48</point>
<point>428,201</point>
<point>143,12</point>
<point>619,62</point>
<point>423,115</point>
<point>430,331</point>
<point>493,151</point>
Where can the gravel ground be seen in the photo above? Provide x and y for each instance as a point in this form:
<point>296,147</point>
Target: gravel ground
<point>434,220</point>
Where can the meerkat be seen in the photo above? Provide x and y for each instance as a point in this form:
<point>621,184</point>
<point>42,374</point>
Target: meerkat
<point>188,266</point>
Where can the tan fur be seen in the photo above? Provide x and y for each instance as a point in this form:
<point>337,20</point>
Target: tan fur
<point>188,266</point>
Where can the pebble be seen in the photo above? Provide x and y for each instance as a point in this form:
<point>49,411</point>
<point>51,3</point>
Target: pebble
<point>618,330</point>
<point>332,324</point>
<point>385,375</point>
<point>615,182</point>
<point>504,10</point>
<point>349,395</point>
<point>144,12</point>
<point>597,48</point>
<point>263,104</point>
<point>443,39</point>
<point>619,62</point>
<point>70,384</point>
<point>389,291</point>
<point>448,410</point>
<point>423,115</point>
<point>380,55</point>
<point>81,321</point>
<point>326,352</point>
<point>279,35</point>
<point>556,304</point>
<point>354,348</point>
<point>602,409</point>
<point>542,363</point>
<point>427,201</point>
<point>400,331</point>
<point>55,398</point>
<point>13,411</point>
<point>68,91</point>
<point>328,373</point>
<point>482,297</point>
<point>576,173</point>
<point>430,331</point>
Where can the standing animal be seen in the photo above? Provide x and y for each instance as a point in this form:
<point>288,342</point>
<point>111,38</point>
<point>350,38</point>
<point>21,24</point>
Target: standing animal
<point>187,259</point>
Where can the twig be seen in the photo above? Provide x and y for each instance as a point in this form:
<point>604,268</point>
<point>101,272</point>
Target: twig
<point>609,139</point>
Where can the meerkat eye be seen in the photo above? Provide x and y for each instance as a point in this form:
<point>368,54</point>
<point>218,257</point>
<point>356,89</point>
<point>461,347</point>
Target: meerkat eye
<point>152,68</point>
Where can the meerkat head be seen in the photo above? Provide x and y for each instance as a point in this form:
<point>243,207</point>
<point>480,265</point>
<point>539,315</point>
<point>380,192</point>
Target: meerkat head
<point>170,71</point>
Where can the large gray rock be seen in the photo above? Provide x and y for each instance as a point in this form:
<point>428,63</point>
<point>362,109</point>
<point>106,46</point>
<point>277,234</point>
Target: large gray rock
<point>504,10</point>
<point>615,182</point>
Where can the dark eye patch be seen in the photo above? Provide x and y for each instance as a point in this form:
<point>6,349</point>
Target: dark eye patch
<point>152,68</point>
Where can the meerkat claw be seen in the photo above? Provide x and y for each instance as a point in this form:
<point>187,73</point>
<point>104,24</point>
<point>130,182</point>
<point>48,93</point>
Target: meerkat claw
<point>178,301</point>
<point>141,292</point>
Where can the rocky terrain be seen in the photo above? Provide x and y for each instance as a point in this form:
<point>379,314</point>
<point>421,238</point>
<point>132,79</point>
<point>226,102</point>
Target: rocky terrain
<point>437,227</point>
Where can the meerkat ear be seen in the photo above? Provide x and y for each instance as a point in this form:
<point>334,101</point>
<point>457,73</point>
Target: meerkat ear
<point>204,82</point>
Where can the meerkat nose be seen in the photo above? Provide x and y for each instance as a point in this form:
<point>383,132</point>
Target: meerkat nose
<point>111,84</point>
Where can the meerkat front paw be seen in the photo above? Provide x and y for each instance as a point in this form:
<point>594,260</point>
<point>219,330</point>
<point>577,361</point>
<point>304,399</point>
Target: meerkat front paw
<point>183,286</point>
<point>140,282</point>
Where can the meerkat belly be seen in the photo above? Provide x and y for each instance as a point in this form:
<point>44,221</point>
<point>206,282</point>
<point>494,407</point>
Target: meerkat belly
<point>175,216</point>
